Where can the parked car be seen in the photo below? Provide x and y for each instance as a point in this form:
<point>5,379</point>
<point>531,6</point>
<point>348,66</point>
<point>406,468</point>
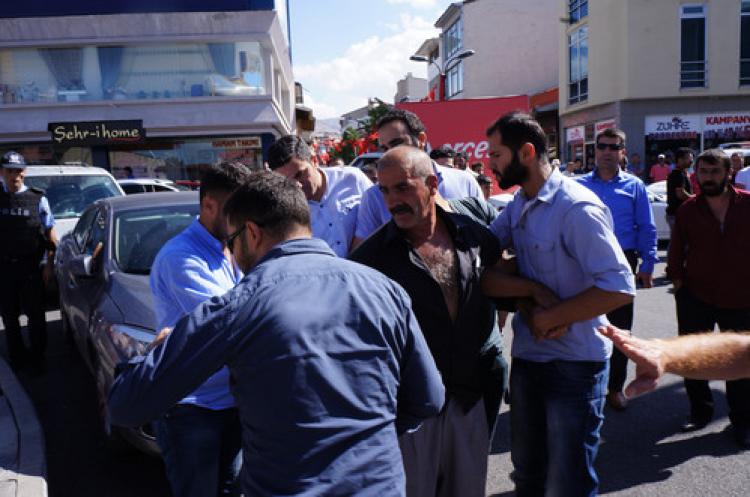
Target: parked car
<point>149,185</point>
<point>367,158</point>
<point>500,201</point>
<point>70,189</point>
<point>102,268</point>
<point>657,196</point>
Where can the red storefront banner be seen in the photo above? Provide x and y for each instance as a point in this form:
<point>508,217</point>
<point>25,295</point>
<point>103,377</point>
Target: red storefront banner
<point>461,124</point>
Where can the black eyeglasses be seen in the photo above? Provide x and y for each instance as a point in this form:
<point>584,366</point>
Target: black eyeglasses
<point>233,236</point>
<point>611,146</point>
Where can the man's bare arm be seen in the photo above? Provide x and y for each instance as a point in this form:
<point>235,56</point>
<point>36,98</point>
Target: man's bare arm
<point>724,356</point>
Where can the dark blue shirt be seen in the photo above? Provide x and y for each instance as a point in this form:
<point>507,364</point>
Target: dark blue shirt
<point>319,350</point>
<point>626,197</point>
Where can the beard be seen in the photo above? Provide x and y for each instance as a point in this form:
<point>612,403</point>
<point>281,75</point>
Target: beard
<point>713,189</point>
<point>514,174</point>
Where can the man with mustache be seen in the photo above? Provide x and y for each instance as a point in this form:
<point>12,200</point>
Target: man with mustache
<point>710,239</point>
<point>563,238</point>
<point>438,256</point>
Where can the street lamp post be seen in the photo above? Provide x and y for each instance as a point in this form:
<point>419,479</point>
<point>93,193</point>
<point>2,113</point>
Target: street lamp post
<point>463,54</point>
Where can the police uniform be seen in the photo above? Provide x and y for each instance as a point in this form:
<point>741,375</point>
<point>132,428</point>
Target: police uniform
<point>25,216</point>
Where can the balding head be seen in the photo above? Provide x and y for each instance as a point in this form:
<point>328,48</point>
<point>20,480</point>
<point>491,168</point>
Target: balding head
<point>414,161</point>
<point>409,186</point>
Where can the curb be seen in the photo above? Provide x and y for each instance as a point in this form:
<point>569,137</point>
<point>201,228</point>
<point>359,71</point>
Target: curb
<point>23,465</point>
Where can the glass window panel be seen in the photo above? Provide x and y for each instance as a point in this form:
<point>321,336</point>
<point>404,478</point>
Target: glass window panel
<point>745,37</point>
<point>574,62</point>
<point>745,6</point>
<point>693,39</point>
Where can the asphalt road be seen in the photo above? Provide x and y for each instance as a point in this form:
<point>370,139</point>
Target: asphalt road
<point>642,453</point>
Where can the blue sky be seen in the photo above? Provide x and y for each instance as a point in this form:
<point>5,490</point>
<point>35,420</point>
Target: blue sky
<point>347,51</point>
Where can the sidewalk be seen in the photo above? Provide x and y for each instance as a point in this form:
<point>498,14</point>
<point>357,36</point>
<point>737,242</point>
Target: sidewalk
<point>22,462</point>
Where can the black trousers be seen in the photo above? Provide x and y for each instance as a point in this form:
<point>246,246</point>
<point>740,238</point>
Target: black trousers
<point>22,291</point>
<point>695,316</point>
<point>622,317</point>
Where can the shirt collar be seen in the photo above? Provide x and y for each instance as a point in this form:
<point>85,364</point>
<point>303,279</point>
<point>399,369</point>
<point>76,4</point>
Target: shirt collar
<point>595,176</point>
<point>297,246</point>
<point>207,238</point>
<point>550,187</point>
<point>454,223</point>
<point>20,190</point>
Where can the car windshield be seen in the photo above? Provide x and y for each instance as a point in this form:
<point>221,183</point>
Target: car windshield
<point>69,195</point>
<point>140,234</point>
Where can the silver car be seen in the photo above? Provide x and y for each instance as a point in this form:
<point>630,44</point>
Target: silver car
<point>102,270</point>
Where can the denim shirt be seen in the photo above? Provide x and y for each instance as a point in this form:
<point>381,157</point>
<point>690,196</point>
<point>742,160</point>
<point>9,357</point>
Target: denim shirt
<point>564,239</point>
<point>322,351</point>
<point>452,184</point>
<point>627,200</point>
<point>190,269</point>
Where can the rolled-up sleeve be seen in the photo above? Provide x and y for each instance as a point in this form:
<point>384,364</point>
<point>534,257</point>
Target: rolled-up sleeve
<point>45,214</point>
<point>590,239</point>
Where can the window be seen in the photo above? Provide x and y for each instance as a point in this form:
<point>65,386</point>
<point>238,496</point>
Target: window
<point>578,87</point>
<point>454,80</point>
<point>453,39</point>
<point>692,46</point>
<point>745,43</point>
<point>577,10</point>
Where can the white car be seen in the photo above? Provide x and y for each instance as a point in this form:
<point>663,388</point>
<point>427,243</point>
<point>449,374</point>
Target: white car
<point>366,158</point>
<point>70,189</point>
<point>657,196</point>
<point>148,185</point>
<point>500,201</point>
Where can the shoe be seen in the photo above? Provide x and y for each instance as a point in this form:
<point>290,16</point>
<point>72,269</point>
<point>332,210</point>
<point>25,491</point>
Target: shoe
<point>617,401</point>
<point>742,436</point>
<point>694,423</point>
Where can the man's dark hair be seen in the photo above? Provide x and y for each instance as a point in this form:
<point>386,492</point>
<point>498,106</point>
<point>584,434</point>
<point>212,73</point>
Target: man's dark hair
<point>287,148</point>
<point>484,180</point>
<point>714,157</point>
<point>613,133</point>
<point>128,169</point>
<point>477,167</point>
<point>441,153</point>
<point>517,128</point>
<point>682,152</point>
<point>413,124</point>
<point>223,177</point>
<point>271,201</point>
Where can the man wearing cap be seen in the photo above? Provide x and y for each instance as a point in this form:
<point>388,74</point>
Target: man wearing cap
<point>27,231</point>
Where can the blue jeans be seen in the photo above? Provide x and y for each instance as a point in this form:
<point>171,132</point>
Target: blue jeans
<point>201,450</point>
<point>557,410</point>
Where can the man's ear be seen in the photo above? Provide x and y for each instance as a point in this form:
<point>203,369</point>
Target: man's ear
<point>432,183</point>
<point>422,139</point>
<point>254,233</point>
<point>527,153</point>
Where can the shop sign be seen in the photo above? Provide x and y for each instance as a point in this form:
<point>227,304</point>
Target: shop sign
<point>238,143</point>
<point>97,133</point>
<point>727,126</point>
<point>602,125</point>
<point>575,134</point>
<point>680,124</point>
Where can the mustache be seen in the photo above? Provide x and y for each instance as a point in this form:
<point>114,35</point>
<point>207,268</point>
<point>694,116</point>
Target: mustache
<point>401,209</point>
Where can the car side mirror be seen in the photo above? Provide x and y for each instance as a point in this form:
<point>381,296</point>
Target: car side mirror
<point>82,266</point>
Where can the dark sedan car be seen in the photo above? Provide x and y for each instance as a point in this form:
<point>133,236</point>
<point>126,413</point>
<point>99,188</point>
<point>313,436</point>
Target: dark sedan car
<point>102,269</point>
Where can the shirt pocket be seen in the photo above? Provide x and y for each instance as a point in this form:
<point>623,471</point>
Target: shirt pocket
<point>541,254</point>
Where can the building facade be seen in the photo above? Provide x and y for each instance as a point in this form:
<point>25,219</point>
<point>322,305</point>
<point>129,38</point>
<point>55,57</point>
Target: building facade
<point>154,86</point>
<point>410,89</point>
<point>671,73</point>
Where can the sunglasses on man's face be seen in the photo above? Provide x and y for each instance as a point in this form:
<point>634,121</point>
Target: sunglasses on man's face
<point>611,146</point>
<point>231,238</point>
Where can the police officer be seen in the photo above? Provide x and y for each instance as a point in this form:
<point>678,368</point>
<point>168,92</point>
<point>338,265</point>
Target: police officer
<point>26,233</point>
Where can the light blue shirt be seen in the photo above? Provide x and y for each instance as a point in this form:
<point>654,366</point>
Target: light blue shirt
<point>190,269</point>
<point>45,213</point>
<point>325,353</point>
<point>627,200</point>
<point>564,239</point>
<point>452,184</point>
<point>334,217</point>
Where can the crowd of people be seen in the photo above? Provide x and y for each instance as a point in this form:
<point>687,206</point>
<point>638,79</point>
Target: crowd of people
<point>324,335</point>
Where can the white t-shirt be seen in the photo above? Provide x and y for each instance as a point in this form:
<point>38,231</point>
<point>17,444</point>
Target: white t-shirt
<point>334,217</point>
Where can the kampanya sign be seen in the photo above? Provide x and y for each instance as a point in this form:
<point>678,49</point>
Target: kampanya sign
<point>97,133</point>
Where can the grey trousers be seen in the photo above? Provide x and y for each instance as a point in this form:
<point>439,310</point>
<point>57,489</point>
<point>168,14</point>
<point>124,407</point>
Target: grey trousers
<point>447,455</point>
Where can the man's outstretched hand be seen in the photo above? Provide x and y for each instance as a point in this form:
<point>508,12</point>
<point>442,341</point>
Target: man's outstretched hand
<point>648,355</point>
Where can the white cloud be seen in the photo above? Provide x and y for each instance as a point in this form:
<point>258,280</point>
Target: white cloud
<point>419,4</point>
<point>366,69</point>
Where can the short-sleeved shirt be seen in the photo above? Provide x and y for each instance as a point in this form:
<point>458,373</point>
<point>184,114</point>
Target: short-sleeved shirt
<point>452,184</point>
<point>659,172</point>
<point>457,346</point>
<point>564,238</point>
<point>677,179</point>
<point>45,213</point>
<point>188,270</point>
<point>334,216</point>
